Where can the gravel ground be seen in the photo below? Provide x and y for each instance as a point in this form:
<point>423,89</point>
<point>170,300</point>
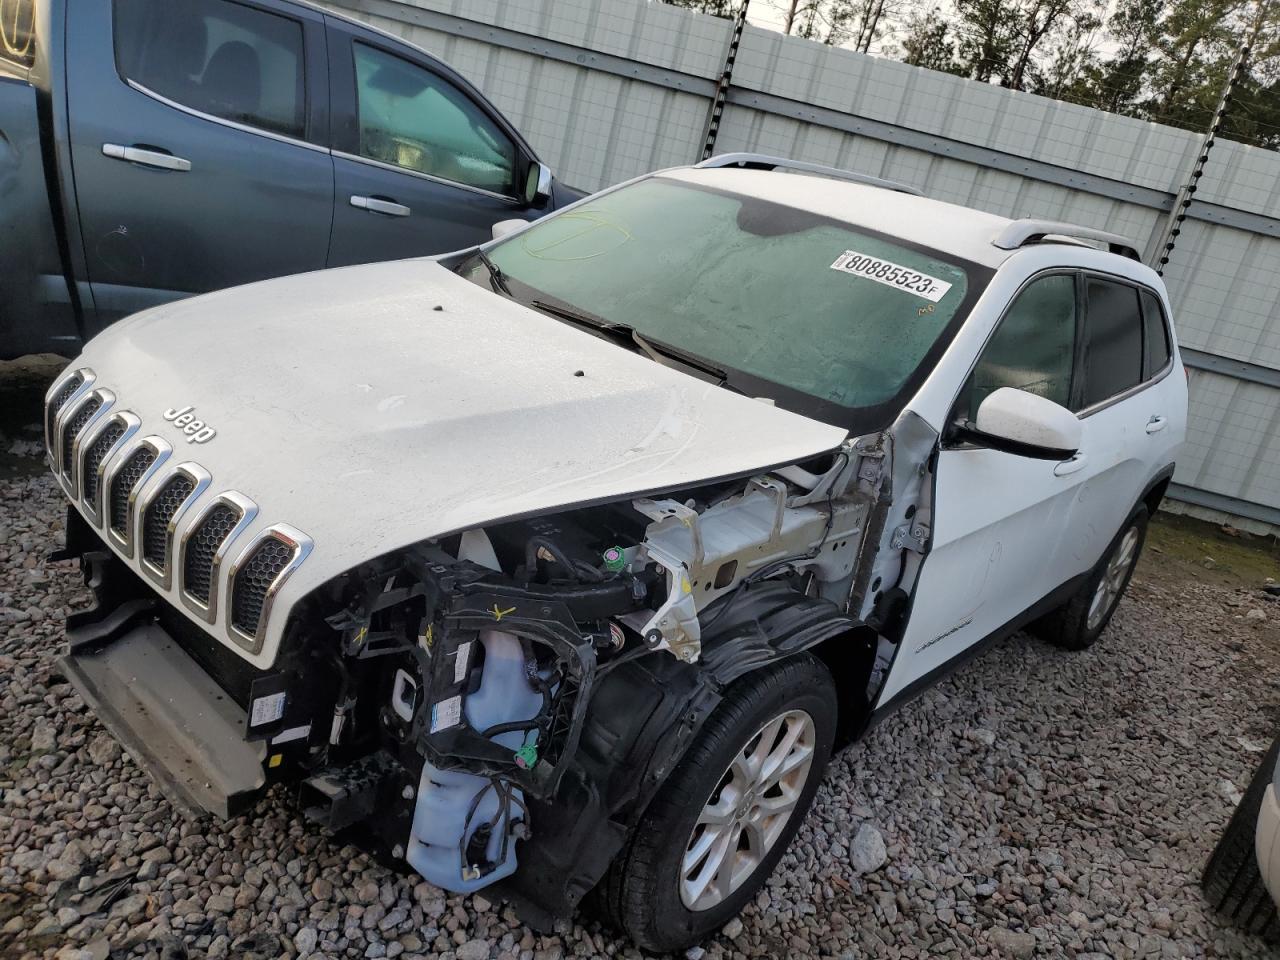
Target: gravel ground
<point>1035,804</point>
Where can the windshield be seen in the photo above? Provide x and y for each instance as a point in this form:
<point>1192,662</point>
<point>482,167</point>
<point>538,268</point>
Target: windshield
<point>820,316</point>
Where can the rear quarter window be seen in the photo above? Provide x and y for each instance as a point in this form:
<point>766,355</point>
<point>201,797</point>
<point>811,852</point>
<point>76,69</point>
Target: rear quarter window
<point>1155,335</point>
<point>17,32</point>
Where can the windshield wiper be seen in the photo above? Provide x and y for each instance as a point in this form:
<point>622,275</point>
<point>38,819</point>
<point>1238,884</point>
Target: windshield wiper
<point>497,279</point>
<point>627,336</point>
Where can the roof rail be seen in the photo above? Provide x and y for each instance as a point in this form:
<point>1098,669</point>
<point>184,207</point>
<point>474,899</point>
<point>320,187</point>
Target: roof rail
<point>759,161</point>
<point>1022,233</point>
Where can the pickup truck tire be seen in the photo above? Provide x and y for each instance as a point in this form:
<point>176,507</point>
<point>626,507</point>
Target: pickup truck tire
<point>1079,622</point>
<point>647,890</point>
<point>1232,881</point>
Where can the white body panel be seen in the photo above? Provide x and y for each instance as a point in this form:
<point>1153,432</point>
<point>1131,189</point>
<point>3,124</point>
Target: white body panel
<point>347,405</point>
<point>1008,530</point>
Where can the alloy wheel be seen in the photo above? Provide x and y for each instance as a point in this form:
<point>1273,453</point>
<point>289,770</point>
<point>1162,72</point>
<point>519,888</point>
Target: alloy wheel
<point>748,810</point>
<point>1113,578</point>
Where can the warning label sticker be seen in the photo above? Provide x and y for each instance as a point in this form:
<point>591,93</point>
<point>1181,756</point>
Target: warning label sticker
<point>446,714</point>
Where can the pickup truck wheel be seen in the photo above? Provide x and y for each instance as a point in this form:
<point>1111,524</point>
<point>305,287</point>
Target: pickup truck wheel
<point>1232,880</point>
<point>1079,622</point>
<point>723,819</point>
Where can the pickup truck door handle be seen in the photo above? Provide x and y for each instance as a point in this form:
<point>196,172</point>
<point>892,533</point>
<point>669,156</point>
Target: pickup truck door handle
<point>148,158</point>
<point>1156,424</point>
<point>1068,467</point>
<point>379,205</point>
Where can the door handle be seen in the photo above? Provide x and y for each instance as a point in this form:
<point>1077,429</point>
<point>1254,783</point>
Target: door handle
<point>1068,467</point>
<point>378,205</point>
<point>148,158</point>
<point>1156,424</point>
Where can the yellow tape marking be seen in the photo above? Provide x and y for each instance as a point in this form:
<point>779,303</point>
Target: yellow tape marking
<point>499,614</point>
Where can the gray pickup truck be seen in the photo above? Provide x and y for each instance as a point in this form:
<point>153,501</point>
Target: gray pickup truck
<point>153,149</point>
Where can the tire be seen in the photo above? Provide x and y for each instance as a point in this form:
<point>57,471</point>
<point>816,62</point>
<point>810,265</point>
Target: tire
<point>1232,882</point>
<point>642,893</point>
<point>1070,626</point>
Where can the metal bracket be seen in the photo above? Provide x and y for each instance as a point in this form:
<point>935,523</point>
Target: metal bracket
<point>910,536</point>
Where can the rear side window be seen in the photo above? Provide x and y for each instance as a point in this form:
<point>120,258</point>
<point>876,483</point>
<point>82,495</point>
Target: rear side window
<point>225,59</point>
<point>1112,356</point>
<point>1033,349</point>
<point>17,32</point>
<point>411,118</point>
<point>1155,340</point>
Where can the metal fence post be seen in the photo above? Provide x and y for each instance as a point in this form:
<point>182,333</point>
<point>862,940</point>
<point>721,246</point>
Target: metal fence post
<point>1186,194</point>
<point>722,85</point>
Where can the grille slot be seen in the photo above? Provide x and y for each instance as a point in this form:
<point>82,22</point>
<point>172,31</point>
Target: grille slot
<point>155,521</point>
<point>252,581</point>
<point>202,547</point>
<point>122,485</point>
<point>73,428</point>
<point>56,404</point>
<point>94,456</point>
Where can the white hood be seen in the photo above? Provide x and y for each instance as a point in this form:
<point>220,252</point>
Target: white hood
<point>373,407</point>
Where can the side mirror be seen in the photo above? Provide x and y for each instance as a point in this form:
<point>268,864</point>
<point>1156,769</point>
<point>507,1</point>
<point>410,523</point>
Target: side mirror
<point>537,185</point>
<point>1024,424</point>
<point>504,228</point>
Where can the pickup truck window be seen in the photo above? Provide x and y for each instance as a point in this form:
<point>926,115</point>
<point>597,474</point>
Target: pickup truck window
<point>412,118</point>
<point>17,33</point>
<point>225,59</point>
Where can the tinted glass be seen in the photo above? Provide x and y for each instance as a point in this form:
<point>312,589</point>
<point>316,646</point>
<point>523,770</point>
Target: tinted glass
<point>414,119</point>
<point>218,57</point>
<point>1033,349</point>
<point>1112,341</point>
<point>17,31</point>
<point>1155,337</point>
<point>781,295</point>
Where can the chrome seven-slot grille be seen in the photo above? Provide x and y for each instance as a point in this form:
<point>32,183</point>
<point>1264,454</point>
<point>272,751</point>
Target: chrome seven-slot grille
<point>142,502</point>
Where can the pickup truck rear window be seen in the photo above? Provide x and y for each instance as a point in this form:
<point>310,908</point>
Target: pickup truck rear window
<point>17,32</point>
<point>224,59</point>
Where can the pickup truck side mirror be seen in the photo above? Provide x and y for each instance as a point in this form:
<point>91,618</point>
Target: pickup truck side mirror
<point>537,185</point>
<point>1024,424</point>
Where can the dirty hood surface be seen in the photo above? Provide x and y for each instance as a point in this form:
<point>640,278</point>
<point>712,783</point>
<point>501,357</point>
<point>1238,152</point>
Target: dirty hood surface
<point>372,407</point>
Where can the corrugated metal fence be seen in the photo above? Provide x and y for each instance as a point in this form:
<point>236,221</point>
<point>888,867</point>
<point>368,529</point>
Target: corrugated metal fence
<point>608,89</point>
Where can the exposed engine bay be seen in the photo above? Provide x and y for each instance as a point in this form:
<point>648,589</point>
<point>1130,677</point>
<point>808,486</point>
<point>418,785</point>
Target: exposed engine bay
<point>500,704</point>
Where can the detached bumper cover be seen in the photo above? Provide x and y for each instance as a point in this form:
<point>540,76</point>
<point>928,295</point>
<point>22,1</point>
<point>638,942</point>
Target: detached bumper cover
<point>176,721</point>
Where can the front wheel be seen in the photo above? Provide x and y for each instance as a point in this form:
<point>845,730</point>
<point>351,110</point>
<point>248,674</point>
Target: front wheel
<point>719,825</point>
<point>1079,622</point>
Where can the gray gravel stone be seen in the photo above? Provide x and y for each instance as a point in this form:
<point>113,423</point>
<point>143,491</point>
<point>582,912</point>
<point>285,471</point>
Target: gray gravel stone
<point>867,852</point>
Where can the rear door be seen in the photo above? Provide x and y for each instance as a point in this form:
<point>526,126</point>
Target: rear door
<point>1128,409</point>
<point>423,164</point>
<point>198,145</point>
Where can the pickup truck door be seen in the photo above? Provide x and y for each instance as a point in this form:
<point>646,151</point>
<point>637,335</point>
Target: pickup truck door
<point>423,164</point>
<point>199,145</point>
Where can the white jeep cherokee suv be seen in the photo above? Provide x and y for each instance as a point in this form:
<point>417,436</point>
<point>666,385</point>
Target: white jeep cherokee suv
<point>564,563</point>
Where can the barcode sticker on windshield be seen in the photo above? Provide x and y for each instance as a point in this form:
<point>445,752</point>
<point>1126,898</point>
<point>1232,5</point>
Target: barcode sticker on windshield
<point>892,275</point>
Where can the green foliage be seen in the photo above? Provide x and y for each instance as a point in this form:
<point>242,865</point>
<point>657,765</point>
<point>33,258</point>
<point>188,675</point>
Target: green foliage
<point>1160,60</point>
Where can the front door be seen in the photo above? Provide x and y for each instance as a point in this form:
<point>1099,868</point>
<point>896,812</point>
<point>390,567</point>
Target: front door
<point>422,165</point>
<point>998,518</point>
<point>197,146</point>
